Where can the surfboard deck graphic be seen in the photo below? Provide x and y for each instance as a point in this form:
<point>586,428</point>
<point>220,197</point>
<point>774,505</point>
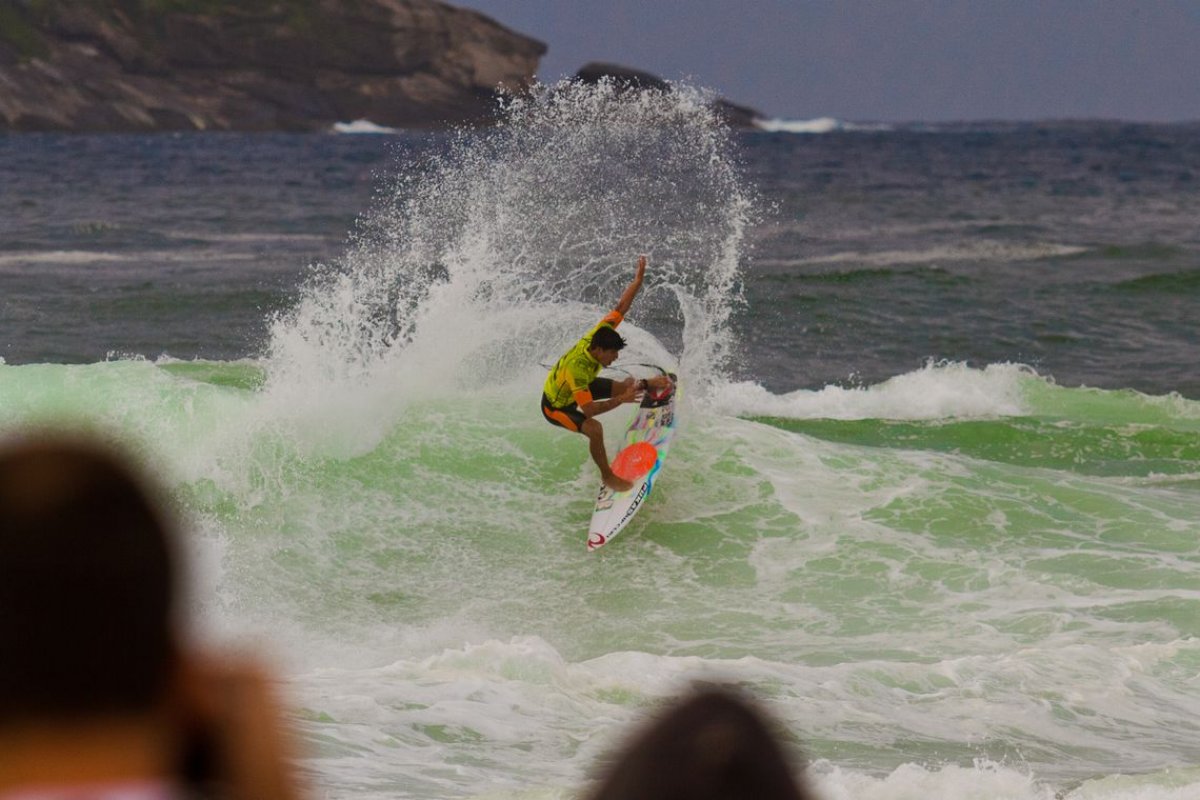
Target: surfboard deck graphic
<point>653,425</point>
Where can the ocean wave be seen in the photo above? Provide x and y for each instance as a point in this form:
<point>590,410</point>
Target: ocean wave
<point>927,274</point>
<point>816,126</point>
<point>936,391</point>
<point>362,126</point>
<point>990,780</point>
<point>77,258</point>
<point>59,257</point>
<point>477,703</point>
<point>969,251</point>
<point>895,607</point>
<point>1184,282</point>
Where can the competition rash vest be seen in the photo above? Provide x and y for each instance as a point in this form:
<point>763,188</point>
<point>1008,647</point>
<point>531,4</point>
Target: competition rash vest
<point>568,380</point>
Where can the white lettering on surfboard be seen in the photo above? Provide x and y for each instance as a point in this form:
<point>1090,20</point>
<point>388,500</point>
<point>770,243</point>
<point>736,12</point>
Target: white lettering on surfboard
<point>637,501</point>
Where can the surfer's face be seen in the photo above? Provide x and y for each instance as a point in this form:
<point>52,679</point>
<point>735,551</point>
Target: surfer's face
<point>605,357</point>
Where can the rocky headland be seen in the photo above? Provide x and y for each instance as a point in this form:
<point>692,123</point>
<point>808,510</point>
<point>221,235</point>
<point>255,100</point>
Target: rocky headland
<point>253,65</point>
<point>266,65</point>
<point>737,116</point>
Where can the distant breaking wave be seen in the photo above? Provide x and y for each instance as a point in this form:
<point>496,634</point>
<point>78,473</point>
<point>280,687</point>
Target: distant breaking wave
<point>818,125</point>
<point>361,126</point>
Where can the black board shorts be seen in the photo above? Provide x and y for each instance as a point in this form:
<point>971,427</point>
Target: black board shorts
<point>569,416</point>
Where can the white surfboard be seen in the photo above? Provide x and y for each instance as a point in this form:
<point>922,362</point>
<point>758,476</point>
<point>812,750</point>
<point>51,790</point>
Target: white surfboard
<point>654,424</point>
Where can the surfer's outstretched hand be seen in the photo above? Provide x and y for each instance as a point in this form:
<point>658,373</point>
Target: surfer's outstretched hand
<point>633,288</point>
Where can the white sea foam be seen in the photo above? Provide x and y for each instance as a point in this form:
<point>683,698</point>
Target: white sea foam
<point>973,251</point>
<point>361,126</point>
<point>816,126</point>
<point>59,257</point>
<point>82,258</point>
<point>549,720</point>
<point>936,391</point>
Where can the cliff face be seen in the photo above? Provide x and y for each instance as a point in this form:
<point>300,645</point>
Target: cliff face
<point>142,65</point>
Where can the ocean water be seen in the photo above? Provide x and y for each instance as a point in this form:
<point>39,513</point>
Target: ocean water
<point>933,499</point>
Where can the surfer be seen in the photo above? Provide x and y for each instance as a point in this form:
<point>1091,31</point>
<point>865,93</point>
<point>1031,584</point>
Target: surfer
<point>573,394</point>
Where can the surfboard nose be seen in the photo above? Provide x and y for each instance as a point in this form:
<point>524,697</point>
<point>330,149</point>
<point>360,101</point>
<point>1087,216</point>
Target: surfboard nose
<point>595,540</point>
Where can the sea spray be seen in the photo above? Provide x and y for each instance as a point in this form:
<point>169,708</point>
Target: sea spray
<point>487,258</point>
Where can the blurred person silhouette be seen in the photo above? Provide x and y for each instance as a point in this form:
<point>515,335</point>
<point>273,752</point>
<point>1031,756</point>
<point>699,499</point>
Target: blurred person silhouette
<point>100,695</point>
<point>709,745</point>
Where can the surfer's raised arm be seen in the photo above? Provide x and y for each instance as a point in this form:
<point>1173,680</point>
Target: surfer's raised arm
<point>633,288</point>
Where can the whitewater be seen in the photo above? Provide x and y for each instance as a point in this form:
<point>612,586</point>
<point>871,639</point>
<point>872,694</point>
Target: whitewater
<point>963,578</point>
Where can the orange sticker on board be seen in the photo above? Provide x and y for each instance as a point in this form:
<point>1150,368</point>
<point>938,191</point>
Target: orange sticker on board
<point>635,460</point>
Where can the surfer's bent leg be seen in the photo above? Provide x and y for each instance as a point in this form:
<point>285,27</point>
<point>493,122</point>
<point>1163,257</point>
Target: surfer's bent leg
<point>570,417</point>
<point>573,419</point>
<point>594,431</point>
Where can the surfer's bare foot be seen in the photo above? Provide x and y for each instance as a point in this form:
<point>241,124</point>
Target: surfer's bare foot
<point>615,482</point>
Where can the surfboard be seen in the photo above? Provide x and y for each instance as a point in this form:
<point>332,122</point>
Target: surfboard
<point>647,440</point>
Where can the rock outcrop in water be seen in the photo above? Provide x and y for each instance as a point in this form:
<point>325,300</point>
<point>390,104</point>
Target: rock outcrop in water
<point>593,72</point>
<point>152,65</point>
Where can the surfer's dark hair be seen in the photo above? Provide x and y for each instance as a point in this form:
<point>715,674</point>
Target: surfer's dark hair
<point>608,339</point>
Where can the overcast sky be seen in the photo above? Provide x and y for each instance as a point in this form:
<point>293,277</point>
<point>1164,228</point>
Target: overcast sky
<point>891,60</point>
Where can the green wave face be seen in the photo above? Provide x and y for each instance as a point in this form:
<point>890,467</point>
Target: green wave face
<point>844,569</point>
<point>1085,431</point>
<point>347,522</point>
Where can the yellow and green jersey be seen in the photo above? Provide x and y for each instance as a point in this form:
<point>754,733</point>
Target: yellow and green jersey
<point>570,377</point>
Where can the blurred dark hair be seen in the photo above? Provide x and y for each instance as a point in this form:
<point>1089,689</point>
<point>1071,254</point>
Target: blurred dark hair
<point>712,745</point>
<point>607,338</point>
<point>87,580</point>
